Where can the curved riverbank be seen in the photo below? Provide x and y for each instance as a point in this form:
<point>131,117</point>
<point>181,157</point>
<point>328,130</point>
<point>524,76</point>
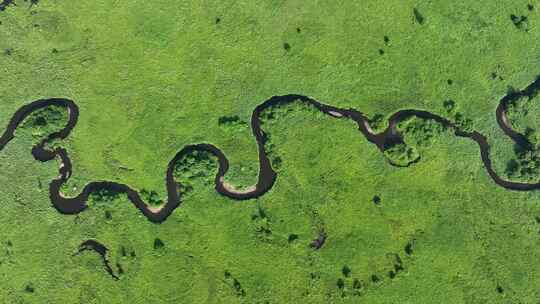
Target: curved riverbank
<point>267,176</point>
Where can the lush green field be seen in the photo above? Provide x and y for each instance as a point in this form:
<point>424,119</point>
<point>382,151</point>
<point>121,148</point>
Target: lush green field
<point>150,77</point>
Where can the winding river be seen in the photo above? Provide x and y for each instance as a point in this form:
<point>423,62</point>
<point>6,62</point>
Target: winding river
<point>267,176</point>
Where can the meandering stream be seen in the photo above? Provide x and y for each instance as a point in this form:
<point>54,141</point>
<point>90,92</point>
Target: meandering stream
<point>267,176</point>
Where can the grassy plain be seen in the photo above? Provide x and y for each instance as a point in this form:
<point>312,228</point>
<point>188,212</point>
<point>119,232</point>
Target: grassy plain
<point>152,76</point>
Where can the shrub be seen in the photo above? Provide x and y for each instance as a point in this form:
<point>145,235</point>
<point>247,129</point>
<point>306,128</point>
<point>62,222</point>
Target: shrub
<point>151,197</point>
<point>526,166</point>
<point>103,195</point>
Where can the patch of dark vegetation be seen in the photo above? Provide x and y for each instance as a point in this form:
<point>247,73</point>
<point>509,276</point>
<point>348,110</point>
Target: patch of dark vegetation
<point>292,237</point>
<point>519,112</point>
<point>54,51</point>
<point>450,81</point>
<point>381,52</point>
<point>286,46</point>
<point>158,243</point>
<point>218,20</point>
<point>398,264</point>
<point>259,214</point>
<point>463,123</point>
<point>123,251</point>
<point>108,215</point>
<point>386,40</point>
<point>5,3</point>
<point>340,283</point>
<point>376,122</point>
<point>46,121</point>
<point>409,248</point>
<point>151,197</point>
<point>530,7</point>
<point>357,284</point>
<point>238,288</point>
<point>376,200</point>
<point>262,224</point>
<point>45,116</point>
<point>499,289</point>
<point>276,161</point>
<point>120,269</point>
<point>234,284</point>
<point>29,288</point>
<point>270,116</point>
<point>298,30</point>
<point>449,105</point>
<point>104,195</point>
<point>195,167</point>
<point>32,2</point>
<point>526,165</point>
<point>270,149</point>
<point>401,155</point>
<point>418,17</point>
<point>495,76</point>
<point>421,132</point>
<point>232,123</point>
<point>520,22</point>
<point>348,286</point>
<point>346,271</point>
<point>281,110</point>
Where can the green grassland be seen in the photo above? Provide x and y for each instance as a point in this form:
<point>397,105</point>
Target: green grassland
<point>150,77</point>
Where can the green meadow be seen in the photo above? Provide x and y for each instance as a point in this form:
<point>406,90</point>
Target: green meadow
<point>150,77</point>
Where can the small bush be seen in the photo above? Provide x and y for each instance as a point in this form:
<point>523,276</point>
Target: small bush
<point>346,271</point>
<point>521,22</point>
<point>418,17</point>
<point>158,243</point>
<point>292,237</point>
